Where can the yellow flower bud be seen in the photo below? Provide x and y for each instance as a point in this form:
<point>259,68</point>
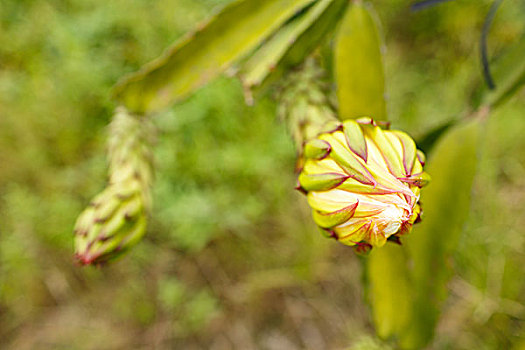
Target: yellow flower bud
<point>363,182</point>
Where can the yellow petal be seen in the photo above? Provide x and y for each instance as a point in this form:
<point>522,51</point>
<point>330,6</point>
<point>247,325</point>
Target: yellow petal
<point>353,231</point>
<point>389,150</point>
<point>331,200</point>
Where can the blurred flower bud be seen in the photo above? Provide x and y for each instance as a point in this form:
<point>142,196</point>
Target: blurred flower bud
<point>116,218</point>
<point>363,182</point>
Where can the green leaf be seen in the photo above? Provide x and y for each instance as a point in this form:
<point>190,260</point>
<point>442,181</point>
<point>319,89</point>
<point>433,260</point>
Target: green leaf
<point>290,45</point>
<point>427,141</point>
<point>389,290</point>
<point>446,205</point>
<point>201,56</point>
<point>508,73</point>
<point>358,65</point>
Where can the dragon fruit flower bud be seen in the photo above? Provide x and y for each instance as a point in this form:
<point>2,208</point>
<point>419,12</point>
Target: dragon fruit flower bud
<point>116,218</point>
<point>363,182</point>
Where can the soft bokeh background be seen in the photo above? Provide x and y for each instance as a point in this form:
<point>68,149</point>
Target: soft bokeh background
<point>232,258</point>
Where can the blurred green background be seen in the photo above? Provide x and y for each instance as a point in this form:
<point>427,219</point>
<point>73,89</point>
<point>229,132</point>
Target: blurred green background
<point>232,258</point>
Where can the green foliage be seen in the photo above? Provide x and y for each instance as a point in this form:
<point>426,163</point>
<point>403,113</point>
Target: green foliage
<point>425,267</point>
<point>369,343</point>
<point>258,276</point>
<point>199,57</point>
<point>358,65</point>
<point>199,147</point>
<point>508,72</point>
<point>446,204</point>
<point>290,45</point>
<point>419,270</point>
<point>410,314</point>
<point>390,291</point>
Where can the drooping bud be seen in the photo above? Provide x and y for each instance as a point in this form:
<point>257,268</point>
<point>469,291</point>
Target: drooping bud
<point>115,220</point>
<point>363,183</point>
